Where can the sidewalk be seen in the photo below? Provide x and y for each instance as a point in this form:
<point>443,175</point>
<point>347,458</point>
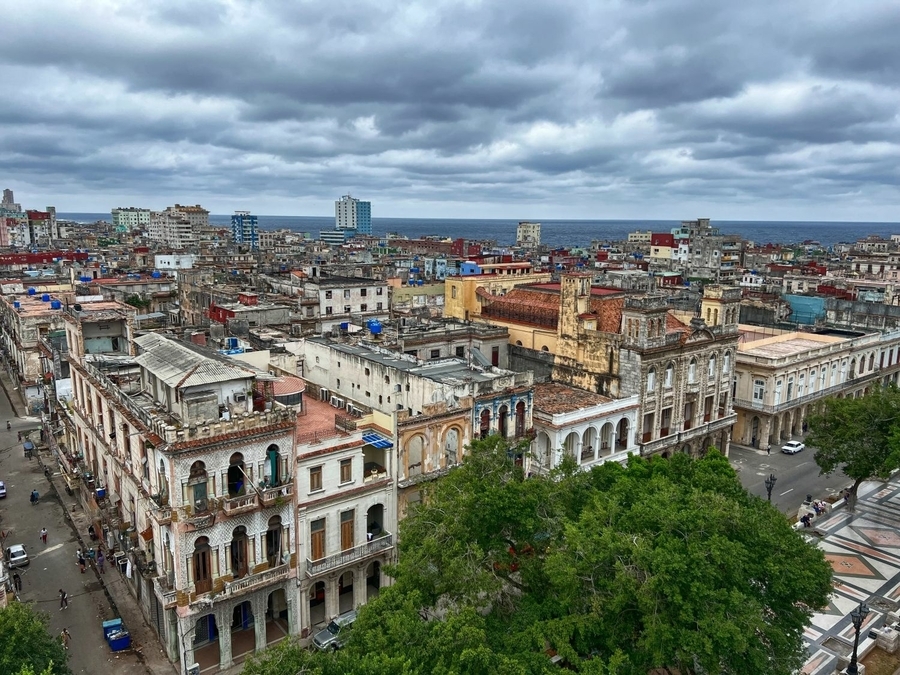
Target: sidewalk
<point>144,640</point>
<point>13,392</point>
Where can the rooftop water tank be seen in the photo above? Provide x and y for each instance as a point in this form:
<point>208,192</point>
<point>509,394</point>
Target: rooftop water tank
<point>45,297</point>
<point>420,282</point>
<point>55,304</point>
<point>32,291</point>
<point>16,304</point>
<point>345,325</point>
<point>156,274</point>
<point>84,279</point>
<point>375,327</point>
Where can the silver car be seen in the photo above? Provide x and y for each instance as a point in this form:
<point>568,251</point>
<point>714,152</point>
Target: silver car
<point>17,556</point>
<point>2,489</point>
<point>335,634</point>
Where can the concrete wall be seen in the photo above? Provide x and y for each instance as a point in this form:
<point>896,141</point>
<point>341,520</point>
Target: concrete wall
<point>538,362</point>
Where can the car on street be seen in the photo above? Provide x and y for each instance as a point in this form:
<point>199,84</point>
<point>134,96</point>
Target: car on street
<point>335,634</point>
<point>792,447</point>
<point>2,489</point>
<point>17,556</point>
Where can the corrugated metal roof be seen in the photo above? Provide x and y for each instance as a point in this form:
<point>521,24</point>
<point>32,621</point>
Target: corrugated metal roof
<point>179,366</point>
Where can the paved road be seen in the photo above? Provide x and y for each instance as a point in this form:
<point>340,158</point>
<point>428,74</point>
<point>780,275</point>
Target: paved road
<point>54,566</point>
<point>796,475</point>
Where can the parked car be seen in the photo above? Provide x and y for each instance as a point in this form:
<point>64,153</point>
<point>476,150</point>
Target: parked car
<point>334,635</point>
<point>792,447</point>
<point>17,556</point>
<point>2,489</point>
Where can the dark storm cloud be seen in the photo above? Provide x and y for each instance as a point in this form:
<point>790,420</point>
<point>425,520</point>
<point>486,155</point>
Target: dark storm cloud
<point>638,108</point>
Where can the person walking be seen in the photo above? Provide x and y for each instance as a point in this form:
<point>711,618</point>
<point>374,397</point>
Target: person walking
<point>768,449</point>
<point>63,600</point>
<point>81,561</point>
<point>101,561</point>
<point>17,581</point>
<point>34,497</point>
<point>65,637</point>
<point>44,535</point>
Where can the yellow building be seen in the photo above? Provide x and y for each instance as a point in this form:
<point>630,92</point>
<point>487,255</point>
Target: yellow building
<point>461,300</point>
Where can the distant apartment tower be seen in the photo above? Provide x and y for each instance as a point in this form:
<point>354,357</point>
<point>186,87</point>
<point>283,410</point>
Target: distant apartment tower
<point>9,201</point>
<point>528,234</point>
<point>130,218</point>
<point>178,226</point>
<point>244,229</point>
<point>353,214</point>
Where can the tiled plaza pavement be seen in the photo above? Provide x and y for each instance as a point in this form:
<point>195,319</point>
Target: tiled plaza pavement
<point>864,551</point>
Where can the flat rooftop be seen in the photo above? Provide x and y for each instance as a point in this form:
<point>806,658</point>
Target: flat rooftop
<point>789,344</point>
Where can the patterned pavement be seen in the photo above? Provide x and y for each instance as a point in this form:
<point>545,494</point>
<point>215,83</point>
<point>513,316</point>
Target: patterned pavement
<point>864,551</point>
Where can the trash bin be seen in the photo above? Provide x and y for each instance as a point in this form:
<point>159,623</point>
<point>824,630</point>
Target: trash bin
<point>116,635</point>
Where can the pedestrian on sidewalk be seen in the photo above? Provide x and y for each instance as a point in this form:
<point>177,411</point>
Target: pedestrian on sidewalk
<point>34,497</point>
<point>17,581</point>
<point>101,562</point>
<point>44,535</point>
<point>63,600</point>
<point>768,449</point>
<point>81,562</point>
<point>65,637</point>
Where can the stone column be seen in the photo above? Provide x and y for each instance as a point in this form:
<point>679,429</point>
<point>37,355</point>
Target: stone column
<point>332,601</point>
<point>259,605</point>
<point>223,624</point>
<point>293,609</point>
<point>359,585</point>
<point>185,632</point>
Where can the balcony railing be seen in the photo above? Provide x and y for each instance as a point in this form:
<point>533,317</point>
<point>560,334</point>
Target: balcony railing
<point>242,504</point>
<point>378,544</point>
<point>254,581</point>
<point>800,400</point>
<point>165,591</point>
<point>161,514</point>
<point>270,496</point>
<point>201,521</point>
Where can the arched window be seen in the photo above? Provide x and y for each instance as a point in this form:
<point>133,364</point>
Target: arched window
<point>692,371</point>
<point>201,564</point>
<point>726,363</point>
<point>414,455</point>
<point>670,376</point>
<point>239,550</point>
<point>502,421</point>
<point>197,485</point>
<point>273,541</point>
<point>451,446</point>
<point>485,423</point>
<point>651,379</point>
<point>545,348</point>
<point>520,418</point>
<point>711,371</point>
<point>236,476</point>
<point>272,470</point>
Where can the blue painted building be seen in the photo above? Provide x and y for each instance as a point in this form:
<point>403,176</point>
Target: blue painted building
<point>244,229</point>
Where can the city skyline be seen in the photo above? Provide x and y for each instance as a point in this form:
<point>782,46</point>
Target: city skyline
<point>662,110</point>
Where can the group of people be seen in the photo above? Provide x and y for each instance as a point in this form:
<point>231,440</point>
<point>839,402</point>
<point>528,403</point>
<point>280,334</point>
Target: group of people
<point>95,555</point>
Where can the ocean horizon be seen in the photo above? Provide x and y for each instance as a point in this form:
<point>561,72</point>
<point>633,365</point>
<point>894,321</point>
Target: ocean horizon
<point>564,233</point>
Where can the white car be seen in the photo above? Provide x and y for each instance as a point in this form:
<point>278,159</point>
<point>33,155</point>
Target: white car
<point>792,447</point>
<point>16,556</point>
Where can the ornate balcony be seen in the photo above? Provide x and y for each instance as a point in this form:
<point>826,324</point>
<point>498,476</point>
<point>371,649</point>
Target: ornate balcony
<point>200,521</point>
<point>377,545</point>
<point>241,504</point>
<point>254,581</point>
<point>161,514</point>
<point>272,495</point>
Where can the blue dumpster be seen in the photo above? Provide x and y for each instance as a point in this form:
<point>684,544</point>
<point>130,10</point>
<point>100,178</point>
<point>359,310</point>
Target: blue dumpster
<point>116,635</point>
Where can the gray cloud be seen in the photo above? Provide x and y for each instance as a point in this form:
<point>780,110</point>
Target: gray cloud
<point>442,108</point>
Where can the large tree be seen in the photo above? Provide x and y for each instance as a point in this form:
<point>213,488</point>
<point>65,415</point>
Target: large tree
<point>859,436</point>
<point>619,570</point>
<point>25,639</point>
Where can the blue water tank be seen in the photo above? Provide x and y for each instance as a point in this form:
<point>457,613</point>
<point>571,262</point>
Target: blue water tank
<point>32,291</point>
<point>415,270</point>
<point>55,304</point>
<point>156,274</point>
<point>345,325</point>
<point>16,304</point>
<point>420,282</point>
<point>375,326</point>
<point>101,493</point>
<point>85,280</point>
<point>45,297</point>
<point>232,343</point>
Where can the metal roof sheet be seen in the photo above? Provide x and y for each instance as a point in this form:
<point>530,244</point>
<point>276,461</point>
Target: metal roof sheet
<point>179,366</point>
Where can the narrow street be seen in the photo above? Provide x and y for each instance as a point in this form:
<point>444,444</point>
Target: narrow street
<point>54,565</point>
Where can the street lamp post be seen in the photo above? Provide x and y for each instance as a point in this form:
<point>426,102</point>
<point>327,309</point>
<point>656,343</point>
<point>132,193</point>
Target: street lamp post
<point>770,485</point>
<point>857,616</point>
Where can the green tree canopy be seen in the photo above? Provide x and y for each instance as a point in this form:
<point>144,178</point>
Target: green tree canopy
<point>25,641</point>
<point>859,436</point>
<point>619,570</point>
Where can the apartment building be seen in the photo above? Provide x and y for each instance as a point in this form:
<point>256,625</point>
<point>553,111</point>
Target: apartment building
<point>130,219</point>
<point>348,300</point>
<point>186,465</point>
<point>783,376</point>
<point>528,234</point>
<point>178,226</point>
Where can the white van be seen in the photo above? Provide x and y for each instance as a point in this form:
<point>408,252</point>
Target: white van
<point>334,635</point>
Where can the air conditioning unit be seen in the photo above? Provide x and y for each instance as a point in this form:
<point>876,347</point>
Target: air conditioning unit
<point>324,394</point>
<point>341,403</point>
<point>334,401</point>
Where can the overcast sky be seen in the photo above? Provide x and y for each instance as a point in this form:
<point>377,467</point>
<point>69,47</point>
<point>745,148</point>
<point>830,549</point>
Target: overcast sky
<point>674,109</point>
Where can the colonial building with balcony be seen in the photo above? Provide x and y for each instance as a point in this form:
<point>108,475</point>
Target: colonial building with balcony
<point>187,466</point>
<point>588,427</point>
<point>346,510</point>
<point>784,376</point>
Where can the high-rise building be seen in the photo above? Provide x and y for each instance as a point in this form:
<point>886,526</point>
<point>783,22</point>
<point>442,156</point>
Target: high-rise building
<point>9,200</point>
<point>353,214</point>
<point>178,226</point>
<point>130,218</point>
<point>243,229</point>
<point>528,234</point>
